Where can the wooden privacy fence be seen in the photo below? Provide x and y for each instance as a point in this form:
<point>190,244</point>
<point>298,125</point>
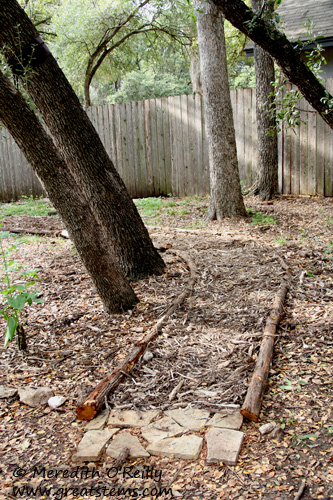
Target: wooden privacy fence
<point>159,147</point>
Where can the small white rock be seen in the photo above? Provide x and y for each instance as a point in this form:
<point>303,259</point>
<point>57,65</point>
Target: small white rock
<point>56,401</point>
<point>148,356</point>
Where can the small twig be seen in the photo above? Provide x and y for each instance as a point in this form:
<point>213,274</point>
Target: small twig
<point>175,390</point>
<point>301,278</point>
<point>300,491</point>
<point>235,473</point>
<point>174,477</point>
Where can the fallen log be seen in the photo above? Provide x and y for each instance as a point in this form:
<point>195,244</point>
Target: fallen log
<point>255,393</point>
<point>96,399</point>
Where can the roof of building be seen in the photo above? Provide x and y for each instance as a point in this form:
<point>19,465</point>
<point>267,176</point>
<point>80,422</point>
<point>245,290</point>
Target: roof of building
<point>295,13</point>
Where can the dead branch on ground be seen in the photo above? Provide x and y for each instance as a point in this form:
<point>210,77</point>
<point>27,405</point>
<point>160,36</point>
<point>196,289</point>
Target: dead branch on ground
<point>96,399</point>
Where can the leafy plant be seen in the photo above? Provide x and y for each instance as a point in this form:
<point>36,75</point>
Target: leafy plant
<point>288,385</point>
<point>301,439</point>
<point>285,102</point>
<point>16,294</point>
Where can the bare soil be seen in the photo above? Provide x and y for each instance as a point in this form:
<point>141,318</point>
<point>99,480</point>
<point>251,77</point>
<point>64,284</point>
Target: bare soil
<point>211,343</point>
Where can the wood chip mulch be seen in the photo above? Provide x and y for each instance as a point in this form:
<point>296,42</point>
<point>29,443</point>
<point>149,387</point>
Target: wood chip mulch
<point>210,344</point>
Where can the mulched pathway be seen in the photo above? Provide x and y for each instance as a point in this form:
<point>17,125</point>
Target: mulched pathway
<point>210,343</point>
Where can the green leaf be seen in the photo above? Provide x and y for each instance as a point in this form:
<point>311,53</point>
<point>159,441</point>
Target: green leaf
<point>21,288</point>
<point>17,302</point>
<point>11,329</point>
<point>308,436</point>
<point>4,234</point>
<point>38,301</point>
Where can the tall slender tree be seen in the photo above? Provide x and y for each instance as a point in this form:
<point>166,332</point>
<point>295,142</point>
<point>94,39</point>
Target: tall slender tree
<point>77,143</point>
<point>266,182</point>
<point>225,190</point>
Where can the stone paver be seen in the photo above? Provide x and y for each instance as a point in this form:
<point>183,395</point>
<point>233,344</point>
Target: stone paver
<point>190,418</point>
<point>162,429</point>
<point>185,447</point>
<point>35,397</point>
<point>131,418</point>
<point>92,445</point>
<point>126,440</point>
<point>98,423</point>
<point>227,420</point>
<point>223,445</point>
<point>7,392</point>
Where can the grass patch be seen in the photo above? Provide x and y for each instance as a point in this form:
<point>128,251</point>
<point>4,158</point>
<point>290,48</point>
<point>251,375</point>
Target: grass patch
<point>30,238</point>
<point>26,206</point>
<point>153,209</point>
<point>281,241</point>
<point>261,219</point>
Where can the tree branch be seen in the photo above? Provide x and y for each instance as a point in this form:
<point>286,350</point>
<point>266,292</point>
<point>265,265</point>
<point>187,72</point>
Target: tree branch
<point>277,45</point>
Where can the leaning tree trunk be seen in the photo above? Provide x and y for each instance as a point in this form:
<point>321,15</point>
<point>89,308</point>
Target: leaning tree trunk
<point>284,53</point>
<point>77,142</point>
<point>88,237</point>
<point>225,190</point>
<point>266,182</point>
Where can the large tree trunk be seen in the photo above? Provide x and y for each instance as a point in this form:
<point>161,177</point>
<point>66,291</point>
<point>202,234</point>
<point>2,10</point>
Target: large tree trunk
<point>88,237</point>
<point>276,44</point>
<point>266,183</point>
<point>225,190</point>
<point>78,143</point>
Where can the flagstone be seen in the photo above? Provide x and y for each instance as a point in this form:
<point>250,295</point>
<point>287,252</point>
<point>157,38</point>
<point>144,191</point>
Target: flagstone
<point>162,429</point>
<point>184,447</point>
<point>190,418</point>
<point>132,418</point>
<point>227,420</point>
<point>126,440</point>
<point>92,445</point>
<point>223,445</point>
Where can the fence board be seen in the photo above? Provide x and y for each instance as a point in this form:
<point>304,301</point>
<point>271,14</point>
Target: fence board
<point>167,146</point>
<point>160,147</point>
<point>186,146</point>
<point>131,167</point>
<point>154,147</point>
<point>304,154</point>
<point>328,151</point>
<point>149,157</point>
<point>295,162</point>
<point>320,159</point>
<point>312,153</point>
<point>192,156</point>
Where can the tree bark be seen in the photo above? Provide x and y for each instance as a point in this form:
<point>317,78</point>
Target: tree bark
<point>88,236</point>
<point>284,53</point>
<point>225,190</point>
<point>78,143</point>
<point>266,183</point>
